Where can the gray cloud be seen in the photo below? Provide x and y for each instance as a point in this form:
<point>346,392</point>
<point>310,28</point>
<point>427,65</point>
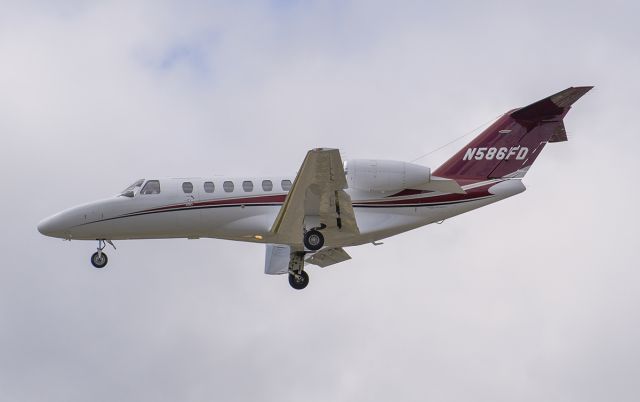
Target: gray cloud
<point>532,298</point>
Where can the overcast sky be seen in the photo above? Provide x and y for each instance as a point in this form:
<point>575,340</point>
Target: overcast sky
<point>533,298</point>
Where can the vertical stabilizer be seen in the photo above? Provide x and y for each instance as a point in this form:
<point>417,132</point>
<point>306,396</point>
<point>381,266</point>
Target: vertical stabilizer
<point>510,145</point>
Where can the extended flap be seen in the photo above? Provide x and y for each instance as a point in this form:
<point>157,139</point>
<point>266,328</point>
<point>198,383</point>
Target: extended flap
<point>328,256</point>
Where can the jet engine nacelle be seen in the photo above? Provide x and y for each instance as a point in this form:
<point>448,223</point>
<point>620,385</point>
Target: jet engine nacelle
<point>383,175</point>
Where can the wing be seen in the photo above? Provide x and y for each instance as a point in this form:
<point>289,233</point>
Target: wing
<point>317,198</point>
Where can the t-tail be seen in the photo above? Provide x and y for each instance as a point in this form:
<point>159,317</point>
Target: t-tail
<point>510,145</point>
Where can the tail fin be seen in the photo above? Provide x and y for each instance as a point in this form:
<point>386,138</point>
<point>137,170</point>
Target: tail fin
<point>510,145</point>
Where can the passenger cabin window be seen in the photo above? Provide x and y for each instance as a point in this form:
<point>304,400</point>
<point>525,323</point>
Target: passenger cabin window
<point>187,187</point>
<point>286,185</point>
<point>247,186</point>
<point>130,191</point>
<point>209,187</point>
<point>267,185</point>
<point>152,187</point>
<point>227,186</point>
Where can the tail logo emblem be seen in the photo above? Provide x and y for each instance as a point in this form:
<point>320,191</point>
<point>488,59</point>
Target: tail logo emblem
<point>503,153</point>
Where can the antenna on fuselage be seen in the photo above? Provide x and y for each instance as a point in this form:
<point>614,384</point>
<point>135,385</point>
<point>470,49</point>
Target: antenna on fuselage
<point>457,139</point>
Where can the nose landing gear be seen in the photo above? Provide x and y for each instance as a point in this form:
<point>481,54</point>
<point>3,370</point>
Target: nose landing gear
<point>99,258</point>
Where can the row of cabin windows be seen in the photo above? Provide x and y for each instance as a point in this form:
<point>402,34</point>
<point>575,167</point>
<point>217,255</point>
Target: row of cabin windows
<point>228,186</point>
<point>153,186</point>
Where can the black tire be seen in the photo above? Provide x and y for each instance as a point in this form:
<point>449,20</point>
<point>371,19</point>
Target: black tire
<point>99,261</point>
<point>313,240</point>
<point>299,282</point>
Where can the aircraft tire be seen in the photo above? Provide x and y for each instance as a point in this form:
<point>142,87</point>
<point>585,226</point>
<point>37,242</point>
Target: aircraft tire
<point>99,261</point>
<point>313,240</point>
<point>300,282</point>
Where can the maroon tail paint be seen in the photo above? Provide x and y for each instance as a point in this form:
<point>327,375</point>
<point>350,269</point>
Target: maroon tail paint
<point>514,141</point>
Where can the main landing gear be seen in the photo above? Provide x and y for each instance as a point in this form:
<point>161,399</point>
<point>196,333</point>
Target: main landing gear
<point>298,279</point>
<point>99,258</point>
<point>313,240</point>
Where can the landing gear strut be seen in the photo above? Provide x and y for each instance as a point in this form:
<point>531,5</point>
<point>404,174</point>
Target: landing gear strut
<point>298,279</point>
<point>99,258</point>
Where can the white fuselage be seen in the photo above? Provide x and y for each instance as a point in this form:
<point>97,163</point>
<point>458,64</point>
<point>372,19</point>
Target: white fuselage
<point>330,204</point>
<point>248,214</point>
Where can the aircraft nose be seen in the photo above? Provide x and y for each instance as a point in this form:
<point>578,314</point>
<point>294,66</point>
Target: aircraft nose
<point>51,226</point>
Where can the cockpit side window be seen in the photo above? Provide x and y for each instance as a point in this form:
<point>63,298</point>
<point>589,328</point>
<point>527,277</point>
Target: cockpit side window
<point>130,191</point>
<point>152,187</point>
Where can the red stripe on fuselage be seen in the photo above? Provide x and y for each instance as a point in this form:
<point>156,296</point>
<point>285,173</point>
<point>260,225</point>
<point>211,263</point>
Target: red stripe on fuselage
<point>397,199</point>
<point>478,192</point>
<point>245,200</point>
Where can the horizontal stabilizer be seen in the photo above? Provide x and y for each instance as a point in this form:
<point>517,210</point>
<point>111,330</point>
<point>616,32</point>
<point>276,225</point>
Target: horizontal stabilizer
<point>551,106</point>
<point>560,133</point>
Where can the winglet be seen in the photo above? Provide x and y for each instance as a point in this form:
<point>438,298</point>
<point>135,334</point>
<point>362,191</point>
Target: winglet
<point>551,106</point>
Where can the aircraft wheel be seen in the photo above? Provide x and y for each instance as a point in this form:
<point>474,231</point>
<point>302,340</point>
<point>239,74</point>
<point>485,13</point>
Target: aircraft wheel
<point>299,281</point>
<point>313,240</point>
<point>99,260</point>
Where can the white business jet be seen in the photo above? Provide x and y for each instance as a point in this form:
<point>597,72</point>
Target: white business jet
<point>330,205</point>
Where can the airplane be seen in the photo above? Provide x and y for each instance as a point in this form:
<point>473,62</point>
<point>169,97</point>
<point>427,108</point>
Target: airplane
<point>330,205</point>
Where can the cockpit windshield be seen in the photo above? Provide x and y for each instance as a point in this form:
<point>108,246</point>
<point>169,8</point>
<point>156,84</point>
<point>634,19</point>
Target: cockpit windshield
<point>130,191</point>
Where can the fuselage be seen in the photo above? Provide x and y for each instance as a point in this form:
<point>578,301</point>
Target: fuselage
<point>245,209</point>
<point>330,204</point>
